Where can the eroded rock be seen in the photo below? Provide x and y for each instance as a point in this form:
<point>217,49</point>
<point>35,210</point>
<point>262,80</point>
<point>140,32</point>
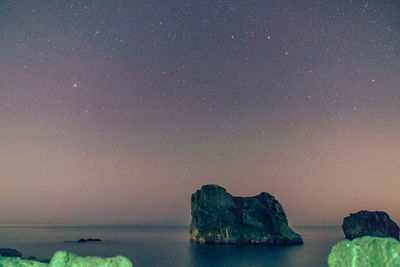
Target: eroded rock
<point>220,218</point>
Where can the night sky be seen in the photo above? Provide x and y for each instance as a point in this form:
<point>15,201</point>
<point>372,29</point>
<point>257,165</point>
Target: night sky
<point>115,112</point>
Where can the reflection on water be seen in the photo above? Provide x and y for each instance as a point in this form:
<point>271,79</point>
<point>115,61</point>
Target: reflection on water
<point>314,252</point>
<point>170,246</point>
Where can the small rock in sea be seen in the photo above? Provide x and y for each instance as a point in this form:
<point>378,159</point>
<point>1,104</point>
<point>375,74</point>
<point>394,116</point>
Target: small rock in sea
<point>9,252</point>
<point>89,240</point>
<point>371,223</point>
<point>82,240</point>
<point>365,251</point>
<point>220,218</point>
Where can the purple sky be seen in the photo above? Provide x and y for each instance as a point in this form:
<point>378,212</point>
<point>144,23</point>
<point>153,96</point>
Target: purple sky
<point>115,112</point>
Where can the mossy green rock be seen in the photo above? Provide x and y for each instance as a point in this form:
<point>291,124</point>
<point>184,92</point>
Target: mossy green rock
<point>66,259</point>
<point>17,262</point>
<point>366,251</point>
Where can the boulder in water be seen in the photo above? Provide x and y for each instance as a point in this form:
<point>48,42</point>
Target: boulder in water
<point>372,223</point>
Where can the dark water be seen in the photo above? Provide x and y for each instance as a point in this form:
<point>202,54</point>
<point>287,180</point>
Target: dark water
<point>169,246</point>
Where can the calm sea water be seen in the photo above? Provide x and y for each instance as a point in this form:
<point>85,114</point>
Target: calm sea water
<point>169,246</point>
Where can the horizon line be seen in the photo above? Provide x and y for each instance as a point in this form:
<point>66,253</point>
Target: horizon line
<point>128,226</point>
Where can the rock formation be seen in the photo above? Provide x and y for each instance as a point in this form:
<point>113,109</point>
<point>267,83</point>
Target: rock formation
<point>220,218</point>
<point>365,251</point>
<point>65,259</point>
<point>376,223</point>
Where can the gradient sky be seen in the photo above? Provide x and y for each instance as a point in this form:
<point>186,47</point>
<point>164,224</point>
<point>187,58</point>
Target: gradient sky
<point>115,112</point>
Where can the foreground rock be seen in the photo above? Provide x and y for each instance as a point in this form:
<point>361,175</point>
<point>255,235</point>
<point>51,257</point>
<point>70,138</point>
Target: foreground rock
<point>365,251</point>
<point>17,262</point>
<point>9,252</point>
<point>372,223</point>
<point>65,259</point>
<point>220,218</point>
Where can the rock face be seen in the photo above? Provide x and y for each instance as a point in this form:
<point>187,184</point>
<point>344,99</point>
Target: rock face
<point>220,218</point>
<point>376,223</point>
<point>65,259</point>
<point>365,251</point>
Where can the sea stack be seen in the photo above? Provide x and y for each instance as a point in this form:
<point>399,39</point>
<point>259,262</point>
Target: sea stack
<point>220,218</point>
<point>371,223</point>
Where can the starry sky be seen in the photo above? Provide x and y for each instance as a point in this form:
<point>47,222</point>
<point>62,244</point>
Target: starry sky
<point>115,112</point>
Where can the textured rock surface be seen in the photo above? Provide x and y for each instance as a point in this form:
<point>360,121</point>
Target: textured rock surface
<point>372,223</point>
<point>366,251</point>
<point>65,259</point>
<point>219,217</point>
<point>17,262</point>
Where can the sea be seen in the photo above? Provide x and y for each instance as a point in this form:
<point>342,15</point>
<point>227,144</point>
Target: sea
<point>169,246</point>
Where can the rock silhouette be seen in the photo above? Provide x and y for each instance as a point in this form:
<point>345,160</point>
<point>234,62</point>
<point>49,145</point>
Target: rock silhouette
<point>371,223</point>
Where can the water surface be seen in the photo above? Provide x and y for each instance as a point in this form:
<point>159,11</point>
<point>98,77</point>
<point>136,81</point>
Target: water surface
<point>169,246</point>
